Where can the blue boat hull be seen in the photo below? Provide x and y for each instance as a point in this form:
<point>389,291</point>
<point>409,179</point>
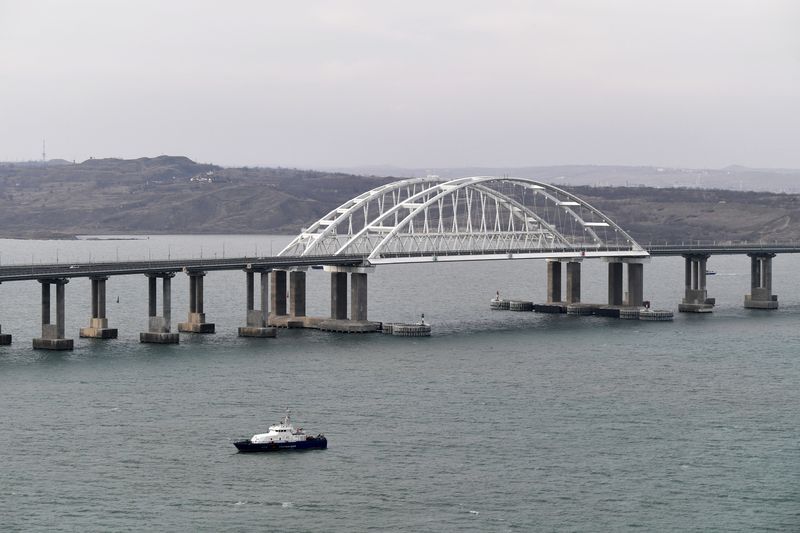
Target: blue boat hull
<point>245,446</point>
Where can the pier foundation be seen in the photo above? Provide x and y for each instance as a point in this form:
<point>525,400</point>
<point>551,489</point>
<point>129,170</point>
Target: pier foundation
<point>98,323</point>
<point>158,327</point>
<point>696,298</point>
<point>761,296</point>
<point>196,321</point>
<point>53,334</point>
<point>257,319</point>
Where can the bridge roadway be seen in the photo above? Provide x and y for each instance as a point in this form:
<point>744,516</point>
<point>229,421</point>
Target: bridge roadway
<point>53,271</point>
<point>61,270</point>
<point>720,249</point>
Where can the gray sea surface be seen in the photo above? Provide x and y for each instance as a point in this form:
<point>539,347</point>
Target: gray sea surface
<point>500,421</point>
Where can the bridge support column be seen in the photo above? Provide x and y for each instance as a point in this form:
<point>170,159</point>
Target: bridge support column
<point>761,296</point>
<point>573,282</point>
<point>158,327</point>
<point>635,284</point>
<point>257,319</point>
<point>696,298</point>
<point>196,321</point>
<point>358,322</point>
<point>615,291</point>
<point>278,293</point>
<point>297,293</point>
<point>358,296</point>
<point>53,334</point>
<point>339,295</point>
<point>98,323</point>
<point>553,281</point>
<point>5,338</point>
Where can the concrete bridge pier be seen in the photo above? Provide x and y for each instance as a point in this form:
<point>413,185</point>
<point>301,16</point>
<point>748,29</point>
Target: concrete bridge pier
<point>358,321</point>
<point>696,298</point>
<point>5,338</point>
<point>761,296</point>
<point>98,324</point>
<point>257,319</point>
<point>615,287</point>
<point>53,334</point>
<point>196,321</point>
<point>573,282</point>
<point>553,281</point>
<point>158,330</point>
<point>635,284</point>
<point>339,295</point>
<point>297,298</point>
<point>358,296</point>
<point>278,294</point>
<point>297,293</point>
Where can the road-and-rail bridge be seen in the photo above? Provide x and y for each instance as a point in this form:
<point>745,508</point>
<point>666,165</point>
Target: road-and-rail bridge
<point>416,220</point>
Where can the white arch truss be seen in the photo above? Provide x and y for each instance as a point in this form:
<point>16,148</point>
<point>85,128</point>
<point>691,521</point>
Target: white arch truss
<point>479,217</point>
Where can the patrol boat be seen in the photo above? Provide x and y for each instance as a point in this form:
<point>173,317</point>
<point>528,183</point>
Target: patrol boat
<point>281,436</point>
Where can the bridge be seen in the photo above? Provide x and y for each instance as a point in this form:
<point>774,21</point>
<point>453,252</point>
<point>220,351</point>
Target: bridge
<point>416,220</point>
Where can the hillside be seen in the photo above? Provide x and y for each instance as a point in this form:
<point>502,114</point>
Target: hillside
<point>169,194</point>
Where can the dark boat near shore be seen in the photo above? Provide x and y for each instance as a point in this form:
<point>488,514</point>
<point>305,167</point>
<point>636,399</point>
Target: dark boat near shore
<point>282,436</point>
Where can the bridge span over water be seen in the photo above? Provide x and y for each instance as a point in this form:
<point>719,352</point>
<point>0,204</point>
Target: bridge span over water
<point>416,220</point>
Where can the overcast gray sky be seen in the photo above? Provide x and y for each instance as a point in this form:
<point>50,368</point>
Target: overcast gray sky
<point>701,83</point>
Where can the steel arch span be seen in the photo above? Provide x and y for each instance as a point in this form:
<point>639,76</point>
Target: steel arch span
<point>475,218</point>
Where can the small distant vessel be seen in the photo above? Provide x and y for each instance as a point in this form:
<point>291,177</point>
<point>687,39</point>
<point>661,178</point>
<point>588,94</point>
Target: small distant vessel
<point>710,272</point>
<point>281,436</point>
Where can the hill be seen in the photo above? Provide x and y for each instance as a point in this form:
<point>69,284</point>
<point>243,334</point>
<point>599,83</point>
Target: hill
<point>170,194</point>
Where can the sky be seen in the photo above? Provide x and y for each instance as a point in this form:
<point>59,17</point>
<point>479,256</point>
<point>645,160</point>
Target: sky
<point>436,83</point>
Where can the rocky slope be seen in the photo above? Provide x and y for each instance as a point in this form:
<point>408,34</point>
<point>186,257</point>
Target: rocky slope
<point>176,195</point>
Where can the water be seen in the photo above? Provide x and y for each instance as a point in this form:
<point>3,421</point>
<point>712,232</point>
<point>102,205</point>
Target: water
<point>498,422</point>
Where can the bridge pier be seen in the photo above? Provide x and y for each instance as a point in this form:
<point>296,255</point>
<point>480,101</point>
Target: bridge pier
<point>339,295</point>
<point>53,334</point>
<point>158,327</point>
<point>358,321</point>
<point>761,296</point>
<point>278,293</point>
<point>196,321</point>
<point>553,281</point>
<point>5,338</point>
<point>358,296</point>
<point>573,282</point>
<point>257,319</point>
<point>615,290</point>
<point>297,293</point>
<point>635,284</point>
<point>98,323</point>
<point>696,298</point>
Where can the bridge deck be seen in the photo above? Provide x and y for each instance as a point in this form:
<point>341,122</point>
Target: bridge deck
<point>50,271</point>
<point>721,249</point>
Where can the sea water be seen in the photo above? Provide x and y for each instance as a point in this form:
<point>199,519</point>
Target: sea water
<point>499,421</point>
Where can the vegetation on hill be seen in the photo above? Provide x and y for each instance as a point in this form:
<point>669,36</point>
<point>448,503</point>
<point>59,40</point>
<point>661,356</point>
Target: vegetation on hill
<point>169,194</point>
